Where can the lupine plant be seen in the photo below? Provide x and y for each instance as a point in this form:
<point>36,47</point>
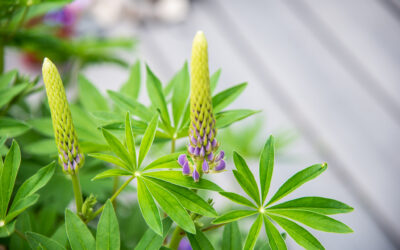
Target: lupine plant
<point>127,142</point>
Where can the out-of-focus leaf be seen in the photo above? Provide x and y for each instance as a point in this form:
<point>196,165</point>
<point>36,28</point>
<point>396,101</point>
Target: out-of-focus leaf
<point>180,94</point>
<point>298,233</point>
<point>177,178</point>
<point>8,174</point>
<point>10,127</point>
<point>148,139</point>
<point>43,126</point>
<point>226,118</point>
<point>253,233</point>
<point>132,87</point>
<point>90,96</point>
<point>112,173</point>
<point>7,78</point>
<point>156,95</point>
<point>232,239</point>
<point>314,220</point>
<point>199,241</point>
<point>149,208</point>
<point>246,178</point>
<point>7,94</point>
<point>226,97</point>
<point>38,241</point>
<point>129,104</point>
<point>233,216</point>
<point>107,236</point>
<point>42,147</point>
<point>214,80</point>
<point>297,180</point>
<point>266,167</point>
<point>79,235</point>
<point>315,204</point>
<point>7,229</point>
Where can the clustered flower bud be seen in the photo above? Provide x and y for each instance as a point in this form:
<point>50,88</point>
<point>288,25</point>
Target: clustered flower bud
<point>70,156</point>
<point>203,145</point>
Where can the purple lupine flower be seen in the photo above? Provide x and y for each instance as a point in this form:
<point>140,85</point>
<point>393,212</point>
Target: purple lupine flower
<point>196,175</point>
<point>205,166</point>
<point>186,168</point>
<point>221,166</point>
<point>184,245</point>
<point>182,159</point>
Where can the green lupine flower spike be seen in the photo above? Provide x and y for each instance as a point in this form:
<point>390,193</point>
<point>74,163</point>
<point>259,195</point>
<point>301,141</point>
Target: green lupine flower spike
<point>202,142</point>
<point>70,156</point>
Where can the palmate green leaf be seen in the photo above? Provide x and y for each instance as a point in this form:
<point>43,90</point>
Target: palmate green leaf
<point>214,80</point>
<point>298,233</point>
<point>156,95</point>
<point>90,96</point>
<point>314,220</point>
<point>117,147</point>
<point>315,204</point>
<point>275,239</point>
<point>38,241</point>
<point>34,183</point>
<point>130,140</point>
<point>177,178</point>
<point>111,159</point>
<point>78,234</point>
<point>20,206</point>
<point>134,107</point>
<point>238,199</point>
<point>7,94</point>
<point>107,236</point>
<point>166,161</point>
<point>253,233</point>
<point>131,87</point>
<point>10,127</point>
<point>7,229</point>
<point>246,178</point>
<point>6,79</point>
<point>112,173</point>
<point>297,180</point>
<point>266,167</point>
<point>171,206</point>
<point>233,216</point>
<point>232,239</point>
<point>226,97</point>
<point>181,93</point>
<point>189,199</point>
<point>148,139</point>
<point>148,207</point>
<point>226,118</point>
<point>151,240</point>
<point>8,175</point>
<point>199,241</point>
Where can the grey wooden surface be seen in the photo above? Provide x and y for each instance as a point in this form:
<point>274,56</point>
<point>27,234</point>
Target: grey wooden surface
<point>325,69</point>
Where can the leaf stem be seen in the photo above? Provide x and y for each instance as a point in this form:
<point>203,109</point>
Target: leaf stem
<point>213,227</point>
<point>77,192</point>
<point>115,188</point>
<point>176,238</point>
<point>111,199</point>
<point>173,141</point>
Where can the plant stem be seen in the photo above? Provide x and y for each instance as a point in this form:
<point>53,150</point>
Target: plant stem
<point>111,199</point>
<point>176,238</point>
<point>20,234</point>
<point>77,192</point>
<point>212,227</point>
<point>115,188</point>
<point>173,145</point>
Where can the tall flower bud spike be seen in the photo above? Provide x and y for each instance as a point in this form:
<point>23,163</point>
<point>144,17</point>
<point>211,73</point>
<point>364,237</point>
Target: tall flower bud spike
<point>202,142</point>
<point>70,156</point>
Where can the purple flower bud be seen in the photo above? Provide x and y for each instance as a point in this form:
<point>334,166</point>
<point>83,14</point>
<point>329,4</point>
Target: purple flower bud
<point>205,166</point>
<point>204,138</point>
<point>191,149</point>
<point>65,155</point>
<point>220,156</point>
<point>182,159</point>
<point>78,158</point>
<point>197,151</point>
<point>208,147</point>
<point>186,168</point>
<point>220,166</point>
<point>210,156</point>
<point>210,134</point>
<point>214,143</point>
<point>74,164</point>
<point>65,166</point>
<point>196,175</point>
<point>200,140</point>
<point>202,152</point>
<point>193,140</point>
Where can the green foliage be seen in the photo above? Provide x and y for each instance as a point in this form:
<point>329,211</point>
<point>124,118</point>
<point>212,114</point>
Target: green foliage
<point>310,211</point>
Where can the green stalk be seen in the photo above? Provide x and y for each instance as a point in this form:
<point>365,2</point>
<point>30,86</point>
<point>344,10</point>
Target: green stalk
<point>176,238</point>
<point>77,192</point>
<point>111,199</point>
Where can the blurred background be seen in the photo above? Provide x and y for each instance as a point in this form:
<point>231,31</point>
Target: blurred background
<point>324,73</point>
